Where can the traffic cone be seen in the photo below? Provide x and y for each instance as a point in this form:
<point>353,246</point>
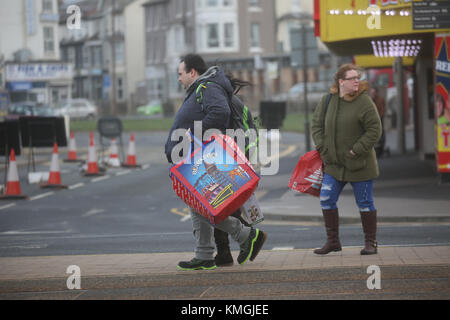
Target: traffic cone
<point>92,167</point>
<point>54,179</point>
<point>12,185</point>
<point>72,155</point>
<point>113,160</point>
<point>131,156</point>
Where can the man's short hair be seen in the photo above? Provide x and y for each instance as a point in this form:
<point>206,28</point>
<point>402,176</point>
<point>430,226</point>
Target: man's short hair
<point>194,61</point>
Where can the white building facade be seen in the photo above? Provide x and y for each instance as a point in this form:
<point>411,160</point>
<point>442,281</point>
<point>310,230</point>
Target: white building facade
<point>30,64</point>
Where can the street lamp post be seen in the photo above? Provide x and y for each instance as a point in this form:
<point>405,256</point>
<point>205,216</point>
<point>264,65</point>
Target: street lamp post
<point>305,88</point>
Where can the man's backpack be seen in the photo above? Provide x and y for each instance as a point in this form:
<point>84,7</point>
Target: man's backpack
<point>240,118</point>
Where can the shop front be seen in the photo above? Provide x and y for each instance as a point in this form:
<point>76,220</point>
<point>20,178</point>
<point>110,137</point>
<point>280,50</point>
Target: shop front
<point>43,83</point>
<point>400,39</point>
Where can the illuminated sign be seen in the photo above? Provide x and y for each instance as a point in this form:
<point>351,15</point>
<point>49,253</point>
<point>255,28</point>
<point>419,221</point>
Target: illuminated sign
<point>387,2</point>
<point>396,48</point>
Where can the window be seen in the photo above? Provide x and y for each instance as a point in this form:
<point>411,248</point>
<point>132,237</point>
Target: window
<point>253,3</point>
<point>47,5</point>
<point>85,56</point>
<point>98,88</point>
<point>86,88</point>
<point>254,35</point>
<point>212,35</point>
<point>212,3</point>
<point>49,43</point>
<point>228,3</point>
<point>96,56</point>
<point>119,88</point>
<point>119,52</point>
<point>229,35</point>
<point>71,54</point>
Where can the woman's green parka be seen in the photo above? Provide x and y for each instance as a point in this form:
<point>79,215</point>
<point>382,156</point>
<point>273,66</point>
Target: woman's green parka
<point>352,123</point>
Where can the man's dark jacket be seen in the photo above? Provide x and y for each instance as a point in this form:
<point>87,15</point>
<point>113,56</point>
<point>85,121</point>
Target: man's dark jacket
<point>214,111</point>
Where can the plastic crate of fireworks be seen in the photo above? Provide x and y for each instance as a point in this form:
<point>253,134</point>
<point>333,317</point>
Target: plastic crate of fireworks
<point>215,179</point>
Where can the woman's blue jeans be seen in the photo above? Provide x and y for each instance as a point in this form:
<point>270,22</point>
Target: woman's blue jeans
<point>331,189</point>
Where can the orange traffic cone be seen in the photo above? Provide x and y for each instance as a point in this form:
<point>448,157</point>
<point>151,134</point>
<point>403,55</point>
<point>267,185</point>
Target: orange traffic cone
<point>54,179</point>
<point>131,156</point>
<point>113,160</point>
<point>12,185</point>
<point>72,155</point>
<point>92,166</point>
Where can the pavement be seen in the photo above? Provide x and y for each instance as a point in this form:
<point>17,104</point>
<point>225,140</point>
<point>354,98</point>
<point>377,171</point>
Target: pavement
<point>407,190</point>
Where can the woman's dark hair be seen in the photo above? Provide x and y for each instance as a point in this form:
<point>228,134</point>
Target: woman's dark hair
<point>194,61</point>
<point>236,83</point>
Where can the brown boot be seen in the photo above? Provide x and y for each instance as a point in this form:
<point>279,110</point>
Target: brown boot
<point>369,223</point>
<point>331,219</point>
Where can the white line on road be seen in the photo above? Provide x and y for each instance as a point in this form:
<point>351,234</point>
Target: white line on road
<point>6,206</point>
<point>145,166</point>
<point>101,178</point>
<point>18,232</point>
<point>92,212</point>
<point>42,195</point>
<point>77,185</point>
<point>185,218</point>
<point>120,173</point>
<point>290,149</point>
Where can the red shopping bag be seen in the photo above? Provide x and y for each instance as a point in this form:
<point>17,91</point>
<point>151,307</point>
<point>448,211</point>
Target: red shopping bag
<point>308,174</point>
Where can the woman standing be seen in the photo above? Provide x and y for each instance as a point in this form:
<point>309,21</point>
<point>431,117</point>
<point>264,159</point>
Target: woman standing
<point>345,133</point>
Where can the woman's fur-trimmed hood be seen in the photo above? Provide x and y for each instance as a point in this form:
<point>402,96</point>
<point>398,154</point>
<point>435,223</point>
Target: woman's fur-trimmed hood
<point>363,86</point>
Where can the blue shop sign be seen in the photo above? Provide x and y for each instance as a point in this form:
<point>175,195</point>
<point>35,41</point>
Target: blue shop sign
<point>19,86</point>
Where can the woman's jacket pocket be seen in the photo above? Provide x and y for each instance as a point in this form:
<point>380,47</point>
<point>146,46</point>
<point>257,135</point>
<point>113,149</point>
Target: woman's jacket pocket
<point>354,163</point>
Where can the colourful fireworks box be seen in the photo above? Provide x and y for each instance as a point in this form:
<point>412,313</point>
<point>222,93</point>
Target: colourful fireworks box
<point>251,211</point>
<point>215,180</point>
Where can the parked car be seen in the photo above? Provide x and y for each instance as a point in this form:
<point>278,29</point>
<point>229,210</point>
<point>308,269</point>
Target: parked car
<point>151,108</point>
<point>78,109</point>
<point>295,95</point>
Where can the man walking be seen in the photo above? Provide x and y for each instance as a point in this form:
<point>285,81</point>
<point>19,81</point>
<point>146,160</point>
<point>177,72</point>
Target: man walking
<point>214,112</point>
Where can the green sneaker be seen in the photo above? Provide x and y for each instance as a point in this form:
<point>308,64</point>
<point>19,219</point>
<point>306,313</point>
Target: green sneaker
<point>197,264</point>
<point>251,247</point>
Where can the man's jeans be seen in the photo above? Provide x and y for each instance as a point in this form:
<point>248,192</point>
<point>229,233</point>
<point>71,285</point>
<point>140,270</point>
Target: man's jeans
<point>331,189</point>
<point>204,234</point>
